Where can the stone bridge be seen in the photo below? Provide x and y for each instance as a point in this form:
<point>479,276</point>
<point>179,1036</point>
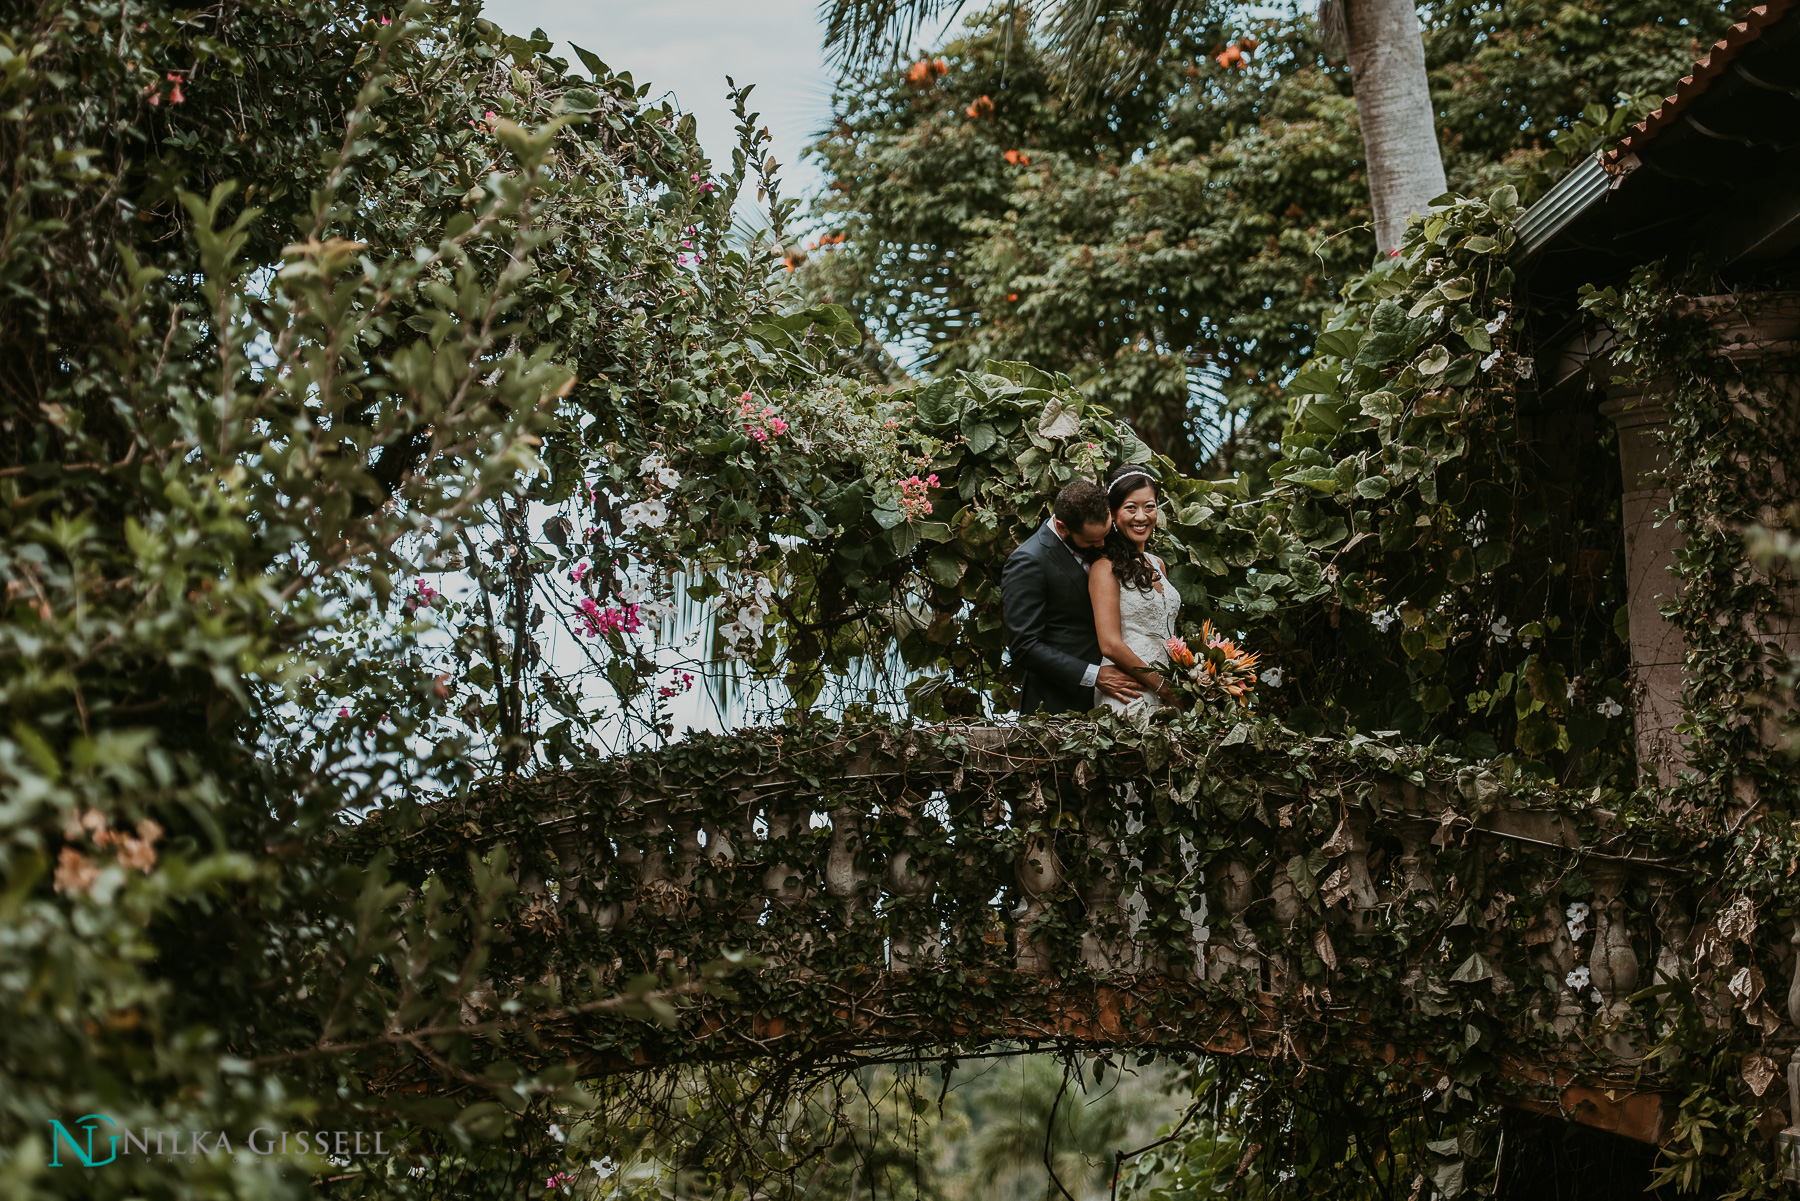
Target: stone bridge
<point>1235,889</point>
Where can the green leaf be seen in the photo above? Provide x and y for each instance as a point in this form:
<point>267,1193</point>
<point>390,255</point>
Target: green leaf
<point>578,100</point>
<point>1473,969</point>
<point>980,435</point>
<point>1381,405</point>
<point>937,403</point>
<point>591,61</point>
<point>933,531</point>
<point>901,539</point>
<point>1314,383</point>
<point>945,566</point>
<point>1321,479</point>
<point>1194,514</point>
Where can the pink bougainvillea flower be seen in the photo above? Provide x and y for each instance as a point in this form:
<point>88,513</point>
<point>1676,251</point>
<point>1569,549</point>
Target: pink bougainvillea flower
<point>912,495</point>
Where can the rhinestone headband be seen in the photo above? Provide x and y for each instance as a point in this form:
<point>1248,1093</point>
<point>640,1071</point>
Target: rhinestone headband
<point>1133,475</point>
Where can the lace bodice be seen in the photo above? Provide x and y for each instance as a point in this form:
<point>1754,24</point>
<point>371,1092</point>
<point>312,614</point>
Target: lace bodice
<point>1146,620</point>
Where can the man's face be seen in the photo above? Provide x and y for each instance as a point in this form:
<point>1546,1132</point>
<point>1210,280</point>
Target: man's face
<point>1088,539</point>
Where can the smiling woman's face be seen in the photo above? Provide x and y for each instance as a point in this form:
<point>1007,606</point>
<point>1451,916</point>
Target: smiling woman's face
<point>1136,515</point>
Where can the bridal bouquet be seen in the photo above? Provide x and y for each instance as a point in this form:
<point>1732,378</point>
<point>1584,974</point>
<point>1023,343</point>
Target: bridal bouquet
<point>1216,667</point>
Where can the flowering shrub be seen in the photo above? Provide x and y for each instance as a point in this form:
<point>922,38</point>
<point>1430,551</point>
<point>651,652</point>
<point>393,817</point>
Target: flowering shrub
<point>424,597</point>
<point>913,492</point>
<point>332,228</point>
<point>760,424</point>
<point>615,619</point>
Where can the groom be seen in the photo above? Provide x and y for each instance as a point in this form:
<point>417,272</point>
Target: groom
<point>1049,619</point>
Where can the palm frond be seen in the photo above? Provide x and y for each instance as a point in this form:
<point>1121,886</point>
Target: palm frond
<point>1100,49</point>
<point>871,33</point>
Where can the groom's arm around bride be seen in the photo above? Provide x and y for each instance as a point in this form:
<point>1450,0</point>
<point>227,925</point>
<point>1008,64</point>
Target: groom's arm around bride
<point>1049,618</point>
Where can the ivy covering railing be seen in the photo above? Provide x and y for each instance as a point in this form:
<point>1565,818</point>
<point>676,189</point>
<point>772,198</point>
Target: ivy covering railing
<point>1208,882</point>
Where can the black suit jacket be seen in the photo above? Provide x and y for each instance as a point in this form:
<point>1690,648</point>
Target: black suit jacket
<point>1049,624</point>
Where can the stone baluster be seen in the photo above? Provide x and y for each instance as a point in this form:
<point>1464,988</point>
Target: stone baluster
<point>1613,961</point>
<point>781,882</point>
<point>687,851</point>
<point>1284,899</point>
<point>846,871</point>
<point>571,871</point>
<point>1787,1143</point>
<point>1674,928</point>
<point>529,877</point>
<point>723,843</point>
<point>910,881</point>
<point>653,872</point>
<point>1038,873</point>
<point>1793,996</point>
<point>716,858</point>
<point>1496,936</point>
<point>1675,932</point>
<point>1416,892</point>
<point>1558,960</point>
<point>1106,943</point>
<point>628,861</point>
<point>1365,903</point>
<point>1416,862</point>
<point>1234,947</point>
<point>1196,911</point>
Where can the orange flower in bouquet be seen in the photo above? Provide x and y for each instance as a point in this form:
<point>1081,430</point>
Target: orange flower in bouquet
<point>1218,667</point>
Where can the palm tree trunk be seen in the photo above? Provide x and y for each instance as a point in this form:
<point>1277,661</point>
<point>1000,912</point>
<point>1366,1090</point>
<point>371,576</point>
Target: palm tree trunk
<point>1393,105</point>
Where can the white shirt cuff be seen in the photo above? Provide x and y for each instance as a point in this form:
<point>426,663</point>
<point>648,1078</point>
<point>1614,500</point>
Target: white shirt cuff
<point>1090,675</point>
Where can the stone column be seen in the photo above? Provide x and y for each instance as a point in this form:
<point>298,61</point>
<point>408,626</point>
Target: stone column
<point>1749,328</point>
<point>1657,653</point>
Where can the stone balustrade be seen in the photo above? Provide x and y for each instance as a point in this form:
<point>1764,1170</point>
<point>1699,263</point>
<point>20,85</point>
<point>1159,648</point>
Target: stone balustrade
<point>942,893</point>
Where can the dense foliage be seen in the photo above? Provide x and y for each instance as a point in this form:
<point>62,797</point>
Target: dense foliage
<point>377,388</point>
<point>1436,555</point>
<point>298,300</point>
<point>1174,249</point>
<point>1401,571</point>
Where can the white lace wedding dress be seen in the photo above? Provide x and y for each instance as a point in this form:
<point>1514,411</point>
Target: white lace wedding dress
<point>1146,621</point>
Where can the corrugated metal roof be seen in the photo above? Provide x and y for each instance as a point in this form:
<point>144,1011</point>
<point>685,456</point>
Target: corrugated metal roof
<point>1565,201</point>
<point>1694,85</point>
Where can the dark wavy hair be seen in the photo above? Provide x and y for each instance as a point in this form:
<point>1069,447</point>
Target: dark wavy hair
<point>1130,564</point>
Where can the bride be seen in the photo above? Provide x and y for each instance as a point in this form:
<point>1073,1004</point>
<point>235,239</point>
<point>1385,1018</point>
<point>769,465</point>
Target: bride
<point>1135,605</point>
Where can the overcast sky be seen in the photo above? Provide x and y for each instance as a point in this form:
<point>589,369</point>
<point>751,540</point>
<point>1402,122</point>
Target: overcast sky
<point>688,47</point>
